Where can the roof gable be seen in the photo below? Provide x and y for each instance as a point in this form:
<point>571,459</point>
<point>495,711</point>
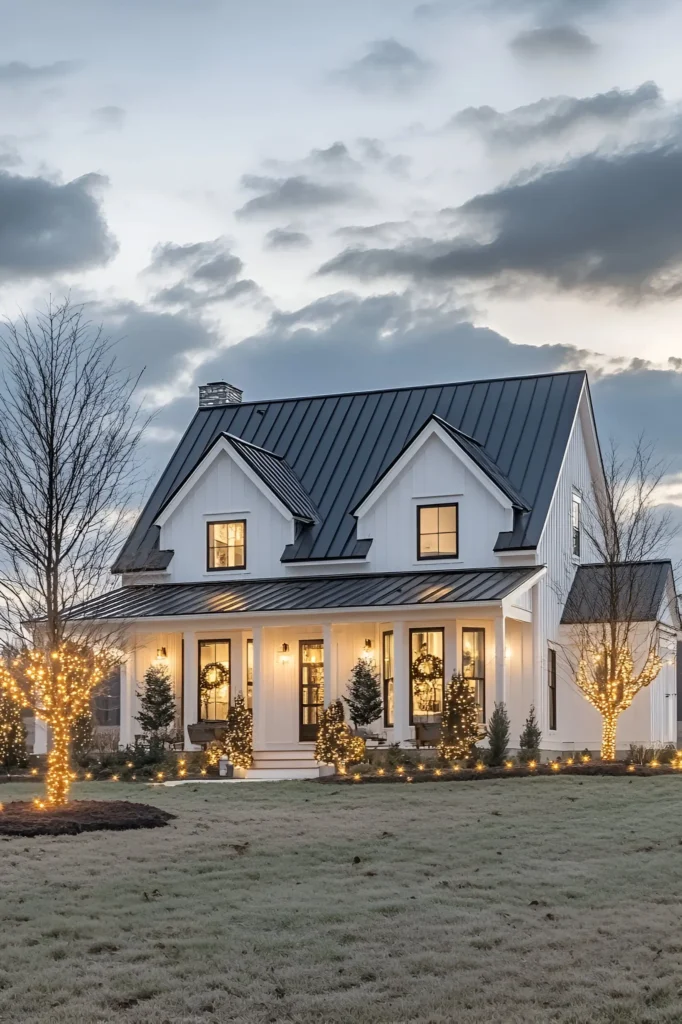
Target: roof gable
<point>268,471</point>
<point>642,591</point>
<point>338,446</point>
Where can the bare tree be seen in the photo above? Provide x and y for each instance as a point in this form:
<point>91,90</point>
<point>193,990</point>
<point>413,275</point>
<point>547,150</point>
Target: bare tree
<point>625,529</point>
<point>68,437</point>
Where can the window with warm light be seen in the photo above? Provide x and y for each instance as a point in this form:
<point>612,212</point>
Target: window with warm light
<point>249,673</point>
<point>388,677</point>
<point>214,680</point>
<point>473,664</point>
<point>227,545</point>
<point>437,531</point>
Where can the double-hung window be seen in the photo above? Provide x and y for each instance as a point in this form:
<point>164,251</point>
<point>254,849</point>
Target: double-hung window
<point>576,525</point>
<point>551,687</point>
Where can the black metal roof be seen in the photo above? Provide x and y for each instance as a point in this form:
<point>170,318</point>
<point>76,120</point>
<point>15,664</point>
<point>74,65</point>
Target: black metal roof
<point>461,586</point>
<point>637,591</point>
<point>338,446</point>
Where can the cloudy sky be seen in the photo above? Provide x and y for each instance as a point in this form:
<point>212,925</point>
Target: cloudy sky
<point>310,196</point>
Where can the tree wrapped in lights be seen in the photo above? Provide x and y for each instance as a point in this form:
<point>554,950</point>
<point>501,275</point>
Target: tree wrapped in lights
<point>69,433</point>
<point>459,722</point>
<point>12,734</point>
<point>335,742</point>
<point>621,529</point>
<point>57,686</point>
<point>607,678</point>
<point>239,739</point>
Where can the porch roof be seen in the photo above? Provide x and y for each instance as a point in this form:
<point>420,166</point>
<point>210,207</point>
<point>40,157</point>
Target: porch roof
<point>366,590</point>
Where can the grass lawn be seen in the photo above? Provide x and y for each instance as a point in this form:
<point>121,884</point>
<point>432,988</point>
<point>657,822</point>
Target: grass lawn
<point>515,901</point>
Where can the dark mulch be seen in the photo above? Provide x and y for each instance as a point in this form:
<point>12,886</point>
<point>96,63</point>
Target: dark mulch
<point>21,818</point>
<point>613,768</point>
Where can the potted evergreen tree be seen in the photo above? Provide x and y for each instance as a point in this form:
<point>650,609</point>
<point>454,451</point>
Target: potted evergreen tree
<point>364,699</point>
<point>529,740</point>
<point>157,703</point>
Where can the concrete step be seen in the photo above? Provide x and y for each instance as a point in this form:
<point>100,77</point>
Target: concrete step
<point>284,763</point>
<point>282,774</point>
<point>288,754</point>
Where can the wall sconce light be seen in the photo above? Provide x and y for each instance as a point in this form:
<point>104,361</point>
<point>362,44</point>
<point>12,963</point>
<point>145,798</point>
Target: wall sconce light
<point>161,655</point>
<point>368,650</point>
<point>507,652</point>
<point>284,653</point>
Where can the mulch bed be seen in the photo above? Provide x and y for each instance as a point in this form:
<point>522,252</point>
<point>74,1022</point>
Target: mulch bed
<point>21,818</point>
<point>391,776</point>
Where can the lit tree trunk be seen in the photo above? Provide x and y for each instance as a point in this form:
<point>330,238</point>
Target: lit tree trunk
<point>608,736</point>
<point>59,764</point>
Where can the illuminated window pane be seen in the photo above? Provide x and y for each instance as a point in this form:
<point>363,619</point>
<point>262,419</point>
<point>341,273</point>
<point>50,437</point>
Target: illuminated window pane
<point>473,664</point>
<point>437,527</point>
<point>387,671</point>
<point>227,545</point>
<point>427,693</point>
<point>214,700</point>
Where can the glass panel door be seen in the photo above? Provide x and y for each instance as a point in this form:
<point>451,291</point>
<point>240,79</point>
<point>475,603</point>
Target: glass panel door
<point>473,665</point>
<point>214,680</point>
<point>311,668</point>
<point>426,674</point>
<point>387,672</point>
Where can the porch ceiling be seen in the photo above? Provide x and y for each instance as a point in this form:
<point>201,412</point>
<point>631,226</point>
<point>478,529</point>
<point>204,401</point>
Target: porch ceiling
<point>459,586</point>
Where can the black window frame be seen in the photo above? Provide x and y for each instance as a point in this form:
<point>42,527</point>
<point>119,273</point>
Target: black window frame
<point>222,568</point>
<point>249,682</point>
<point>387,680</point>
<point>307,732</point>
<point>437,556</point>
<point>477,679</point>
<point>436,715</point>
<point>200,643</point>
<point>576,531</point>
<point>551,688</point>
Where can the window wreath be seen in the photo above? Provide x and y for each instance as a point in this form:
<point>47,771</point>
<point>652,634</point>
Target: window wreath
<point>211,677</point>
<point>427,676</point>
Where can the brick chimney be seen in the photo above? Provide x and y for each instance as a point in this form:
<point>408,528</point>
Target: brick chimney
<point>218,393</point>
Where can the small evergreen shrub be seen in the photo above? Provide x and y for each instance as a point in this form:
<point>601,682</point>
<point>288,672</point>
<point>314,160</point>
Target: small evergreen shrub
<point>498,736</point>
<point>157,702</point>
<point>530,738</point>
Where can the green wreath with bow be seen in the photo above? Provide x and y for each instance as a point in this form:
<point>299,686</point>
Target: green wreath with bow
<point>427,676</point>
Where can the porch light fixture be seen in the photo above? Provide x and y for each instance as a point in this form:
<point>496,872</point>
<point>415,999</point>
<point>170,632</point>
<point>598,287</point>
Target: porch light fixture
<point>368,650</point>
<point>161,656</point>
<point>284,653</point>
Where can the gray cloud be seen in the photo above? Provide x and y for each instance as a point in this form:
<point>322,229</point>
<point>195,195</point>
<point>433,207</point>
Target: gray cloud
<point>552,41</point>
<point>17,73</point>
<point>294,195</point>
<point>108,118</point>
<point>47,228</point>
<point>9,154</point>
<point>210,273</point>
<point>388,230</point>
<point>555,116</point>
<point>286,238</point>
<point>387,67</point>
<point>611,223</point>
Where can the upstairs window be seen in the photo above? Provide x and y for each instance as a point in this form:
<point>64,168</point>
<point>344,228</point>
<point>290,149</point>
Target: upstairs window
<point>576,524</point>
<point>227,545</point>
<point>437,531</point>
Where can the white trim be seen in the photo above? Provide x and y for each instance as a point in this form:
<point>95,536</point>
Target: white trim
<point>222,445</point>
<point>430,429</point>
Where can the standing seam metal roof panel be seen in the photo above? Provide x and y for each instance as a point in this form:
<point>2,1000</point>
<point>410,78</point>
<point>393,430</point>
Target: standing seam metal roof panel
<point>526,424</point>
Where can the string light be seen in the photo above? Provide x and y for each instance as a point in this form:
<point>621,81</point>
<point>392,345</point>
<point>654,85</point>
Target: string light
<point>34,771</point>
<point>380,771</point>
<point>88,776</point>
<point>479,766</point>
<point>585,758</point>
<point>357,777</point>
<point>555,766</point>
<point>239,742</point>
<point>508,764</point>
<point>569,760</point>
<point>56,686</point>
<point>607,679</point>
<point>159,775</point>
<point>653,764</point>
<point>631,767</point>
<point>335,743</point>
<point>400,770</point>
<point>420,767</point>
<point>115,778</point>
<point>438,772</point>
<point>459,721</point>
<point>532,765</point>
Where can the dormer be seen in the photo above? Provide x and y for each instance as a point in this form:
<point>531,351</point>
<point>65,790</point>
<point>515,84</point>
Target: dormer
<point>442,502</point>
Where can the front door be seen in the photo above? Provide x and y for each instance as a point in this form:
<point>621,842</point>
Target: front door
<point>311,677</point>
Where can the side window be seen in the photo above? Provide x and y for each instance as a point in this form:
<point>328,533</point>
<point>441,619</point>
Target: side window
<point>551,687</point>
<point>576,525</point>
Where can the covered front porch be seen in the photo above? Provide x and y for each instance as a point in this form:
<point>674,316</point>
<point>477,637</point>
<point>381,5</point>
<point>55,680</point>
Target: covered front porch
<point>290,667</point>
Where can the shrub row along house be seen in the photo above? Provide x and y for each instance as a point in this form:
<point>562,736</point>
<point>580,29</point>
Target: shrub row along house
<point>432,530</point>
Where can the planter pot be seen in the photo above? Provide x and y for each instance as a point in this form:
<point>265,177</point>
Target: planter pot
<point>225,768</point>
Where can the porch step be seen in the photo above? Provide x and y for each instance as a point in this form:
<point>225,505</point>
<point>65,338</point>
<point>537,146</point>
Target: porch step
<point>282,773</point>
<point>290,762</point>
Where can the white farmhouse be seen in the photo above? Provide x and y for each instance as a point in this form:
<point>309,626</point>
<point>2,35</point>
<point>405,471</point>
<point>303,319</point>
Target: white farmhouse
<point>288,538</point>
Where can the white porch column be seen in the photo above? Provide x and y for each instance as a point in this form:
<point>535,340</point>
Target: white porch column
<point>331,665</point>
<point>451,657</point>
<point>39,736</point>
<point>237,667</point>
<point>401,683</point>
<point>501,673</point>
<point>259,689</point>
<point>190,684</point>
<point>127,726</point>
